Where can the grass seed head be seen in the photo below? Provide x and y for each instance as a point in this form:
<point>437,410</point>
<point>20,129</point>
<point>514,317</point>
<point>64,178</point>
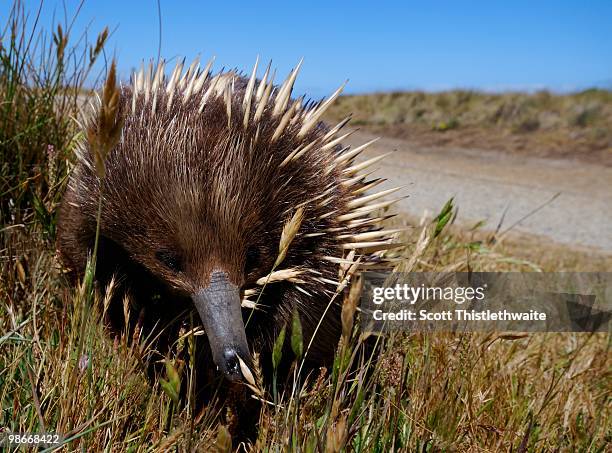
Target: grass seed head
<point>289,231</point>
<point>104,133</point>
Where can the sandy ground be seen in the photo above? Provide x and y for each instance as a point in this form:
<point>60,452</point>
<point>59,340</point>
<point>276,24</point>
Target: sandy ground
<point>486,184</point>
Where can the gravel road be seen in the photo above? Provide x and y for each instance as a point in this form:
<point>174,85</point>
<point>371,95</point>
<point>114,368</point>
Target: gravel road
<point>487,183</point>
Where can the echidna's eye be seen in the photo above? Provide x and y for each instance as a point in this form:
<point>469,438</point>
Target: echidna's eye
<point>169,259</point>
<point>252,259</point>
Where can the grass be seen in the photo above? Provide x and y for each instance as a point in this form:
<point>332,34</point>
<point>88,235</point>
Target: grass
<point>539,253</point>
<point>426,391</point>
<point>574,125</point>
<point>41,75</point>
<point>61,371</point>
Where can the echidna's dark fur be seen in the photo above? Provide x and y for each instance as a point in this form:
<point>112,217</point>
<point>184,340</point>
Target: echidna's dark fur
<point>186,192</point>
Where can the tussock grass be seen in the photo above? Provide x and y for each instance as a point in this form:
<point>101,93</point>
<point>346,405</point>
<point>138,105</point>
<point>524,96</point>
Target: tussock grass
<point>61,371</point>
<point>572,125</point>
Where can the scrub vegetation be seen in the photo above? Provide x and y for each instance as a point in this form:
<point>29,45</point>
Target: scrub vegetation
<point>574,125</point>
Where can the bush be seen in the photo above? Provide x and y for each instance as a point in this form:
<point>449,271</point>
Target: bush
<point>585,115</point>
<point>525,125</point>
<point>444,126</point>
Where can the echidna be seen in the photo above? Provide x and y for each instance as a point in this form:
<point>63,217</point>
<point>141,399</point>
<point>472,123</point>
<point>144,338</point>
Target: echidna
<point>207,171</point>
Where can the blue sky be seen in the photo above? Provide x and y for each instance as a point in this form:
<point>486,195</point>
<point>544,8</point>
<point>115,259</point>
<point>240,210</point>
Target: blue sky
<point>377,45</point>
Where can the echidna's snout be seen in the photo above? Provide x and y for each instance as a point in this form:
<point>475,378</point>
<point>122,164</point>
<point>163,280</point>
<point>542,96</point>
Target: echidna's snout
<point>219,307</point>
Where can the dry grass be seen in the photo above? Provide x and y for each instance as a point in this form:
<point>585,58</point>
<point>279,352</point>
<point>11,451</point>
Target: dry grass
<point>535,253</point>
<point>61,371</point>
<point>544,124</point>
